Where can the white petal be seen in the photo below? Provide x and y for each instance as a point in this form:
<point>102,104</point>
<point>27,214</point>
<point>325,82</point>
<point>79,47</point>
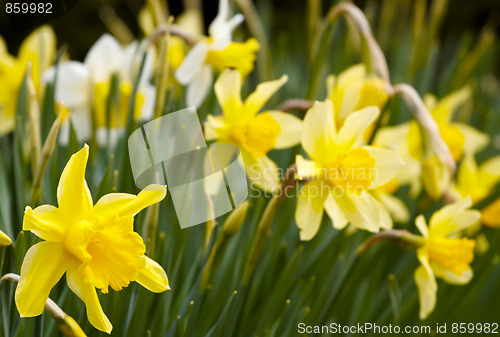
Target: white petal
<point>198,89</point>
<point>73,88</point>
<point>104,58</point>
<point>192,65</point>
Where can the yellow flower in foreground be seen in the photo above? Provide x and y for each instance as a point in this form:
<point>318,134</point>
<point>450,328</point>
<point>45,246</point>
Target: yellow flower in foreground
<point>254,133</point>
<point>406,138</point>
<point>477,181</point>
<point>445,254</point>
<point>95,245</point>
<point>4,239</point>
<point>39,48</point>
<point>341,172</point>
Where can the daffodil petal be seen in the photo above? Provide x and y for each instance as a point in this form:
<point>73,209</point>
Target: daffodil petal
<point>388,165</point>
<point>198,89</point>
<point>262,172</point>
<point>104,58</point>
<point>291,128</point>
<point>73,195</point>
<point>427,287</point>
<point>450,277</point>
<point>153,277</point>
<point>335,213</point>
<point>124,204</point>
<point>306,168</point>
<point>318,132</point>
<point>228,91</point>
<point>351,134</point>
<point>454,218</point>
<point>394,137</point>
<point>215,127</point>
<point>72,84</point>
<point>4,239</point>
<point>46,222</point>
<point>396,207</point>
<point>444,109</point>
<point>309,210</point>
<point>474,140</point>
<point>256,100</point>
<point>422,226</point>
<point>87,293</point>
<point>362,211</point>
<point>43,266</point>
<point>192,64</point>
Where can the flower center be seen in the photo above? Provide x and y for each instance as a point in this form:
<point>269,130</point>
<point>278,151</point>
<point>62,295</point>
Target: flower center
<point>110,251</point>
<point>257,135</point>
<point>454,254</point>
<point>237,55</point>
<point>119,108</point>
<point>353,171</point>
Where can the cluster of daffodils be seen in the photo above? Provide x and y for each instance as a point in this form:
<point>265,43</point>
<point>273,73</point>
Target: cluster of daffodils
<point>349,162</point>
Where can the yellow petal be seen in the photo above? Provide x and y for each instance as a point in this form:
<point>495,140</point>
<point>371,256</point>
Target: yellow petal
<point>309,211</point>
<point>4,239</point>
<point>436,177</point>
<point>73,195</point>
<point>256,100</point>
<point>422,226</point>
<point>396,207</point>
<point>318,132</point>
<point>228,91</point>
<point>490,215</point>
<point>43,266</point>
<point>451,277</point>
<point>124,204</point>
<point>291,128</point>
<point>87,293</point>
<point>351,134</point>
<point>443,111</point>
<point>363,211</point>
<point>474,140</point>
<point>153,277</point>
<point>427,288</point>
<point>262,172</point>
<point>215,127</point>
<point>45,222</point>
<point>388,165</point>
<point>306,168</point>
<point>489,171</point>
<point>454,218</point>
<point>335,213</point>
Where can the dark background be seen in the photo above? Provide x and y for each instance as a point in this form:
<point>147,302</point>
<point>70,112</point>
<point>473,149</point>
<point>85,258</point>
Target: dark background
<point>80,26</point>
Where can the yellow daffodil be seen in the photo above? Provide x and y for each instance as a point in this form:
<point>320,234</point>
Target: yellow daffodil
<point>445,254</point>
<point>354,89</point>
<point>406,138</point>
<point>254,133</point>
<point>216,51</point>
<point>39,50</point>
<point>95,245</point>
<point>475,181</point>
<point>341,172</point>
<point>85,87</point>
<point>4,239</point>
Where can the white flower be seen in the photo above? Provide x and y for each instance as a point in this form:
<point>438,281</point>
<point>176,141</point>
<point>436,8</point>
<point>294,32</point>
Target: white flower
<point>83,88</point>
<point>194,71</point>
